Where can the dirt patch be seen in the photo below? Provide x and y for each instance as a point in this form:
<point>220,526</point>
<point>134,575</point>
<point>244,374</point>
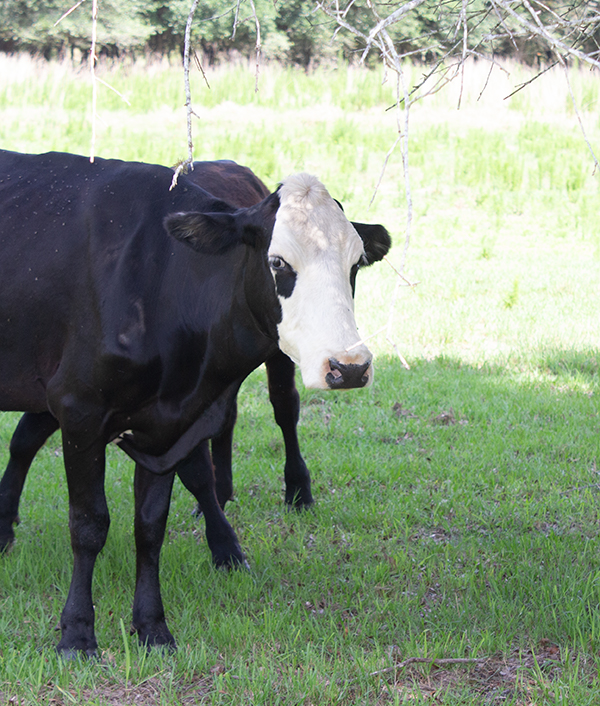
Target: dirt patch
<point>520,678</point>
<point>151,692</point>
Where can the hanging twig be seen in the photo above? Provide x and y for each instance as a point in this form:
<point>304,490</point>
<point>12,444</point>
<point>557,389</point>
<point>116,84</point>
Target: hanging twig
<point>93,73</point>
<point>189,162</point>
<point>113,89</point>
<point>577,113</point>
<point>521,86</point>
<point>68,12</point>
<point>258,45</point>
<point>92,61</point>
<point>201,68</point>
<point>463,20</point>
<point>236,19</point>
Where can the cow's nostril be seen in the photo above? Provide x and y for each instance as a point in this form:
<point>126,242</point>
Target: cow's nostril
<point>347,376</point>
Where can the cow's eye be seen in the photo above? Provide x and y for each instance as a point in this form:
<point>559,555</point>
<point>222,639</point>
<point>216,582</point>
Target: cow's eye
<point>277,263</point>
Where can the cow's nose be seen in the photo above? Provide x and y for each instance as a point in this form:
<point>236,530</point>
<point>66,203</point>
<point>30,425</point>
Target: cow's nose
<point>345,376</point>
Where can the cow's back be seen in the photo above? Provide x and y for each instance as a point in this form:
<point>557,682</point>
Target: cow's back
<point>232,182</point>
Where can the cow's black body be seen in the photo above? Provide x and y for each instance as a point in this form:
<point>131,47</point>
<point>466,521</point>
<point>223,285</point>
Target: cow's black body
<point>111,325</point>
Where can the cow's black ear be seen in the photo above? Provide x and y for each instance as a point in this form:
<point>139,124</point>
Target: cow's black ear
<point>255,236</point>
<point>376,240</point>
<point>207,233</point>
<point>257,222</point>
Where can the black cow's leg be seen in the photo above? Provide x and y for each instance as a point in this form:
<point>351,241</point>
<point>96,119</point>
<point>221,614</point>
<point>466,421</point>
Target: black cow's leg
<point>221,449</point>
<point>29,436</point>
<point>88,522</point>
<point>152,498</point>
<point>197,474</point>
<point>286,406</point>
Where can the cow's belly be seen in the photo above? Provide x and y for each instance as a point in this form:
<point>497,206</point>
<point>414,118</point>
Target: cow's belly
<point>22,393</point>
<point>30,354</point>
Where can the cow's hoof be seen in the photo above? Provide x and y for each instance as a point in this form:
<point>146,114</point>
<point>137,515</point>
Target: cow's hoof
<point>153,633</point>
<point>158,642</point>
<point>299,501</point>
<point>74,642</point>
<point>70,653</point>
<point>6,543</point>
<point>232,561</point>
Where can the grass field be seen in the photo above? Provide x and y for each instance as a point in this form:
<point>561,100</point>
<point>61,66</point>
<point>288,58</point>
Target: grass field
<point>453,554</point>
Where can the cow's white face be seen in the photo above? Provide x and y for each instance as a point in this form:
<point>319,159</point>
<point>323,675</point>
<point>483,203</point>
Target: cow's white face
<point>312,251</point>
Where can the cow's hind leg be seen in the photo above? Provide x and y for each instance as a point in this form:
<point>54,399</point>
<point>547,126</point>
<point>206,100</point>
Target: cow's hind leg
<point>152,498</point>
<point>197,474</point>
<point>222,460</point>
<point>221,450</point>
<point>286,407</point>
<point>88,522</point>
<point>31,433</point>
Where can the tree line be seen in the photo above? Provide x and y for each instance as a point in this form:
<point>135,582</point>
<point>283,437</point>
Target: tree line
<point>295,32</point>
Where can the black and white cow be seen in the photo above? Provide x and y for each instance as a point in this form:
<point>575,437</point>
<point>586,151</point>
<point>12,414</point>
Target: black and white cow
<point>132,313</point>
<point>240,187</point>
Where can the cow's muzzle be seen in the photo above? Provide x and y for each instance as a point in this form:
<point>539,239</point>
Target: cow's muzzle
<point>343,376</point>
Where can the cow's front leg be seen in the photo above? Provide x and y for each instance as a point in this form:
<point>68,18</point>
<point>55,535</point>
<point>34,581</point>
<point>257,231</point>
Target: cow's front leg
<point>88,522</point>
<point>29,436</point>
<point>286,407</point>
<point>197,474</point>
<point>152,498</point>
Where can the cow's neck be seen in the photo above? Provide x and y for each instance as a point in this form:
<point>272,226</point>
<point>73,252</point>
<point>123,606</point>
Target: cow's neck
<point>237,337</point>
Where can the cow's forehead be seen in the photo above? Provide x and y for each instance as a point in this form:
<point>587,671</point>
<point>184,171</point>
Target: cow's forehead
<point>310,223</point>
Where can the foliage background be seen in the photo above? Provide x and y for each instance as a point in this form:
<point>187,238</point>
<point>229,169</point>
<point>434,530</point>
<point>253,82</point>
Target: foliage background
<point>296,32</point>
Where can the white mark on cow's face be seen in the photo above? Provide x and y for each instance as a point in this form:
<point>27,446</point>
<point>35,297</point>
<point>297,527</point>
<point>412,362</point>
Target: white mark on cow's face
<point>312,252</point>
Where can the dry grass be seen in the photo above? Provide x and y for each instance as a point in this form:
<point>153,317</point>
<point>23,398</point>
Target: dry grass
<point>520,678</point>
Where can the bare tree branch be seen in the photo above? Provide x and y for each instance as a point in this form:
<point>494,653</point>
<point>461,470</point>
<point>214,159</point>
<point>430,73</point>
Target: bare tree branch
<point>189,162</point>
<point>396,16</point>
<point>236,18</point>
<point>577,113</point>
<point>523,85</point>
<point>538,29</point>
<point>258,45</point>
<point>92,61</point>
<point>68,12</point>
<point>463,21</point>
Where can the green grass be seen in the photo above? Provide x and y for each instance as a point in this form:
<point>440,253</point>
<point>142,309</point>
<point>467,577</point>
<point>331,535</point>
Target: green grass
<point>457,502</point>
